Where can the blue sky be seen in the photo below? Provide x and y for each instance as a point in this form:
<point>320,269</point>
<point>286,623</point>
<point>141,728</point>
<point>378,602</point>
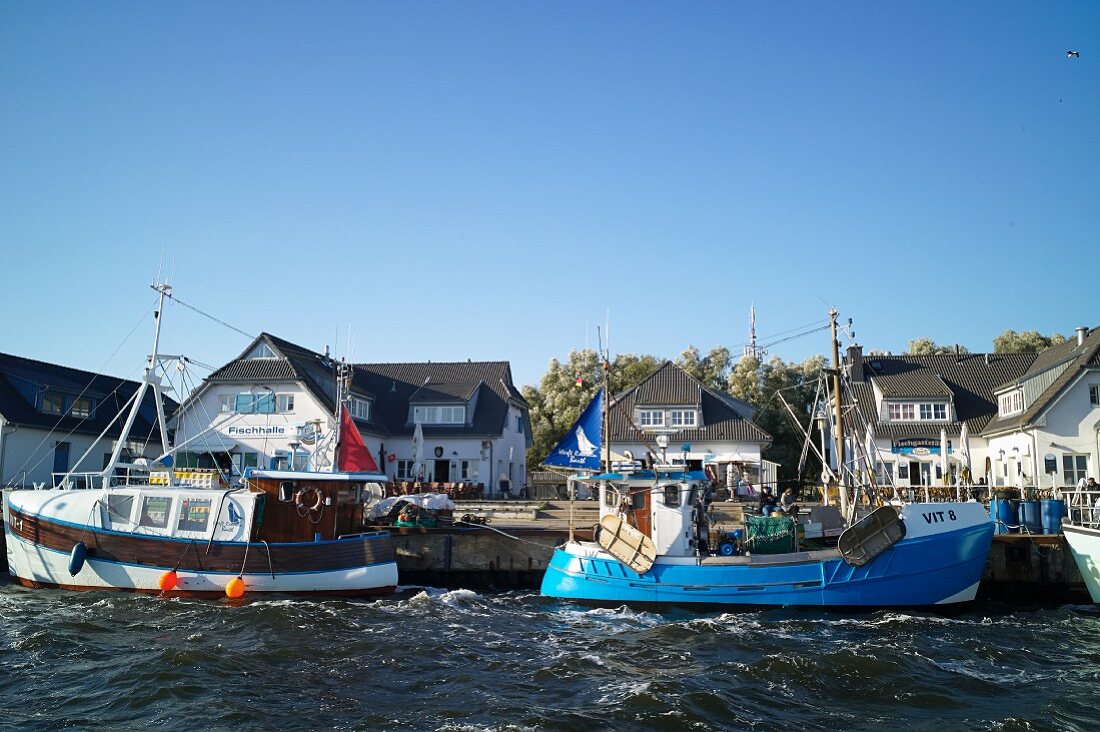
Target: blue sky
<point>452,180</point>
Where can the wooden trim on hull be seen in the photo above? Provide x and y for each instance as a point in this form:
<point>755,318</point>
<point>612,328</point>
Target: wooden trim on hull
<point>200,556</point>
<point>366,592</point>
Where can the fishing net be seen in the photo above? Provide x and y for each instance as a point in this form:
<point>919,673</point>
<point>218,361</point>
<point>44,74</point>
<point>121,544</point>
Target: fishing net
<point>770,534</point>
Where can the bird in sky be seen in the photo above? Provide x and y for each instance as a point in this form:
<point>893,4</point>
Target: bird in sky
<point>1073,54</point>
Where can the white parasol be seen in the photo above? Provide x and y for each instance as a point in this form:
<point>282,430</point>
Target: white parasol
<point>418,452</point>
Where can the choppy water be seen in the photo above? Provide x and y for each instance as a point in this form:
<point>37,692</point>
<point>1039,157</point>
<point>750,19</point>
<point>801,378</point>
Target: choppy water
<point>429,659</point>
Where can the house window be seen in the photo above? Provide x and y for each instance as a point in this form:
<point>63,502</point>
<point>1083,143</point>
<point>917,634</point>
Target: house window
<point>1094,394</point>
<point>470,469</point>
<point>903,471</point>
<point>359,408</point>
<point>249,403</point>
<point>226,402</point>
<point>82,407</point>
<point>52,403</point>
<point>1010,403</point>
<point>285,402</point>
<point>262,350</point>
<point>439,415</point>
<point>1074,469</point>
<point>651,418</point>
<point>902,411</point>
<point>404,470</point>
<point>933,411</point>
<point>683,417</point>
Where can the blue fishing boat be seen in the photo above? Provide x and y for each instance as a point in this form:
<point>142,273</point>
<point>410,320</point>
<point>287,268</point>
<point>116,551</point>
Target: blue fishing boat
<point>655,544</point>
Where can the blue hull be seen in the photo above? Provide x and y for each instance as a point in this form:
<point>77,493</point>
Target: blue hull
<point>930,570</point>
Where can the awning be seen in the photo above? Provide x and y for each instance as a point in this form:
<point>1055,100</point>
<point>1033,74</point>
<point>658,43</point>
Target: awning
<point>209,442</point>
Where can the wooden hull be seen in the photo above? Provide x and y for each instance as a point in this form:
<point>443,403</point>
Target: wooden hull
<point>38,551</point>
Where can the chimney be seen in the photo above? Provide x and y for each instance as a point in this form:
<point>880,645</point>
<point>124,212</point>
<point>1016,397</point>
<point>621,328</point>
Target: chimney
<point>1082,333</point>
<point>855,360</point>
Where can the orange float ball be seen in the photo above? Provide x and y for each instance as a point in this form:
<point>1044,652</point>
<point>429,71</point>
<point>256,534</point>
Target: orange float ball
<point>235,588</point>
<point>168,581</point>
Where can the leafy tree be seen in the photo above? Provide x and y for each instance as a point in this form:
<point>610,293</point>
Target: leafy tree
<point>928,347</point>
<point>712,369</point>
<point>628,370</point>
<point>1028,341</point>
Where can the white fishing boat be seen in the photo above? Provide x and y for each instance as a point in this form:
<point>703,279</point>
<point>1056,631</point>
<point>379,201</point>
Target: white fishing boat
<point>1081,527</point>
<point>137,526</point>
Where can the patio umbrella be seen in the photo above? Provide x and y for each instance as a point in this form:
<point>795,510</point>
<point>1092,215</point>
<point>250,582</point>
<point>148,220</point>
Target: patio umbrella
<point>418,451</point>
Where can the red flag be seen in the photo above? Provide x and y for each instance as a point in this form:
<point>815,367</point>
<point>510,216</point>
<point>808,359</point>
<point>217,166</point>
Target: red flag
<point>351,454</point>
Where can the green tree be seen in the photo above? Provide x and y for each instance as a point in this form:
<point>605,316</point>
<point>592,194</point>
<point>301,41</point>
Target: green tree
<point>928,347</point>
<point>1028,341</point>
<point>628,370</point>
<point>712,370</point>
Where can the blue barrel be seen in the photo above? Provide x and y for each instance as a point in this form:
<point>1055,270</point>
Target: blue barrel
<point>1003,512</point>
<point>1030,517</point>
<point>1052,512</point>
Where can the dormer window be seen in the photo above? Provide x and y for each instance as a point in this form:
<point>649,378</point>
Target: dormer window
<point>439,415</point>
<point>1010,403</point>
<point>917,411</point>
<point>902,412</point>
<point>53,403</point>
<point>683,418</point>
<point>82,407</point>
<point>651,418</point>
<point>359,408</point>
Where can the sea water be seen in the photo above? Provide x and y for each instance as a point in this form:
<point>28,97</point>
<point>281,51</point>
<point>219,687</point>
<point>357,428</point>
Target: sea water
<point>431,659</point>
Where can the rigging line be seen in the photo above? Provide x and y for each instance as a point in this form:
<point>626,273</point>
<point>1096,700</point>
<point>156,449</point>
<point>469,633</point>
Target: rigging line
<point>783,333</point>
<point>81,394</point>
<point>208,315</point>
<point>797,335</point>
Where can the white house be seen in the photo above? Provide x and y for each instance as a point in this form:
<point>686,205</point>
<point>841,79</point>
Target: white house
<point>274,406</point>
<point>1033,419</point>
<point>673,417</point>
<point>51,417</point>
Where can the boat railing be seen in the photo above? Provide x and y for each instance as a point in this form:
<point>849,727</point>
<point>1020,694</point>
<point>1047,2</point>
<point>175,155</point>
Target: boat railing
<point>1083,507</point>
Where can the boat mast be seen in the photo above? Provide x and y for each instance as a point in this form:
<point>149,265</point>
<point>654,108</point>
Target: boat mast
<point>149,378</point>
<point>341,375</point>
<point>839,422</point>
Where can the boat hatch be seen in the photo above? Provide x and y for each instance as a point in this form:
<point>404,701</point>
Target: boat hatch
<point>878,531</point>
<point>627,544</point>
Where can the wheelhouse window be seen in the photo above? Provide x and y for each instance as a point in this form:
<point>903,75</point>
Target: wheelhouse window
<point>1010,403</point>
<point>683,417</point>
<point>119,508</point>
<point>439,415</point>
<point>672,495</point>
<point>154,511</point>
<point>651,418</point>
<point>194,514</point>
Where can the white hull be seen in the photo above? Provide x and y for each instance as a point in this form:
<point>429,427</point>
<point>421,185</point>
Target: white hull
<point>37,565</point>
<point>1084,544</point>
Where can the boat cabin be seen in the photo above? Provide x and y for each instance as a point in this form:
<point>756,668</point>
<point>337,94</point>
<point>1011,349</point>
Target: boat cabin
<point>668,507</point>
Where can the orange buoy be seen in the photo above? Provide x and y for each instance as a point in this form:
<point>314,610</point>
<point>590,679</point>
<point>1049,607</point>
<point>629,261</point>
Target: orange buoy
<point>168,581</point>
<point>235,588</point>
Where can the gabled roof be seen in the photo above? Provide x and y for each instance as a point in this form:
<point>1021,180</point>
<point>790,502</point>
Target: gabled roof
<point>1072,358</point>
<point>485,384</point>
<point>969,380</point>
<point>22,379</point>
<point>671,386</point>
<point>291,363</point>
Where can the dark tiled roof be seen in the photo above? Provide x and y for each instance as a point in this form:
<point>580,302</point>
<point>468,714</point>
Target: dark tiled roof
<point>1076,357</point>
<point>433,393</point>
<point>21,379</point>
<point>671,386</point>
<point>969,379</point>
<point>487,384</point>
<point>292,363</point>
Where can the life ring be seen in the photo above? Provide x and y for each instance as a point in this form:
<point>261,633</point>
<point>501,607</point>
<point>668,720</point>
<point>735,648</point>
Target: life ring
<point>391,457</point>
<point>318,501</point>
